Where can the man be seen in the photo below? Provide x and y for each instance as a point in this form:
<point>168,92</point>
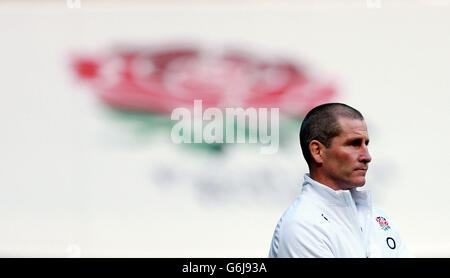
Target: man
<point>331,218</point>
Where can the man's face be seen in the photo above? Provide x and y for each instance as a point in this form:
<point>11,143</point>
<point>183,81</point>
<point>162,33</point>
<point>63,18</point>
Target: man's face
<point>346,161</point>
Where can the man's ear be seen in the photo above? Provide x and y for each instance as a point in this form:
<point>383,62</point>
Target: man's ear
<point>316,149</point>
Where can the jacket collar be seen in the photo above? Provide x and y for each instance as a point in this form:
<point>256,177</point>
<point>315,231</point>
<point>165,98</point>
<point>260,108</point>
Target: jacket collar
<point>338,197</point>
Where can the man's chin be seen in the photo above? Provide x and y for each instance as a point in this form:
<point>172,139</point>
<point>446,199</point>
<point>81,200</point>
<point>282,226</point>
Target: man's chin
<point>359,182</point>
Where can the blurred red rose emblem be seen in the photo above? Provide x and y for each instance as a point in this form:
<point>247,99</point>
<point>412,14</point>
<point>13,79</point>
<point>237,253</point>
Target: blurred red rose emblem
<point>383,223</point>
<point>159,80</point>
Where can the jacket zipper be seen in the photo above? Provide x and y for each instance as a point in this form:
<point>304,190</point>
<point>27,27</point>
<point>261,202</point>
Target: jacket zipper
<point>357,224</point>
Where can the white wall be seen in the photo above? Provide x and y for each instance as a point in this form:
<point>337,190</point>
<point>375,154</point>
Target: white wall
<point>70,176</point>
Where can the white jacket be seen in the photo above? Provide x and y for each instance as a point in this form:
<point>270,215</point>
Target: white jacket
<point>323,222</point>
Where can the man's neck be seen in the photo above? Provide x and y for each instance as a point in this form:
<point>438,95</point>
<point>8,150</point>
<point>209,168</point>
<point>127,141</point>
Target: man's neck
<point>326,181</point>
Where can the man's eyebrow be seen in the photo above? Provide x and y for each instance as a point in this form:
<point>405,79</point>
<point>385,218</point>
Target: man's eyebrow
<point>353,138</point>
<point>357,138</point>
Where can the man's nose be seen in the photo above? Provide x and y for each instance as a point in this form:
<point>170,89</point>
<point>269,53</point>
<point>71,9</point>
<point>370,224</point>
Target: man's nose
<point>365,156</point>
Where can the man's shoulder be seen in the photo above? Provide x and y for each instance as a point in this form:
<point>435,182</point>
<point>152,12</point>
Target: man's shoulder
<point>378,211</point>
<point>305,210</point>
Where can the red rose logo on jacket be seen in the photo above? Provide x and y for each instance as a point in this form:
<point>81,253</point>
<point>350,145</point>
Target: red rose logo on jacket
<point>158,81</point>
<point>383,223</point>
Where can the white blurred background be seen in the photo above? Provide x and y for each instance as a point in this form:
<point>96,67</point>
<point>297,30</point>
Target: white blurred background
<point>74,182</point>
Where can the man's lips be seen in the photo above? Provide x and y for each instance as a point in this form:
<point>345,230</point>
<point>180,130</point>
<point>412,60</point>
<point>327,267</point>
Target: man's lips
<point>361,169</point>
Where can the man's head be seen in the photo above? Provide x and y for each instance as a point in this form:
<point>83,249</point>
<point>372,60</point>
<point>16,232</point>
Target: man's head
<point>334,140</point>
